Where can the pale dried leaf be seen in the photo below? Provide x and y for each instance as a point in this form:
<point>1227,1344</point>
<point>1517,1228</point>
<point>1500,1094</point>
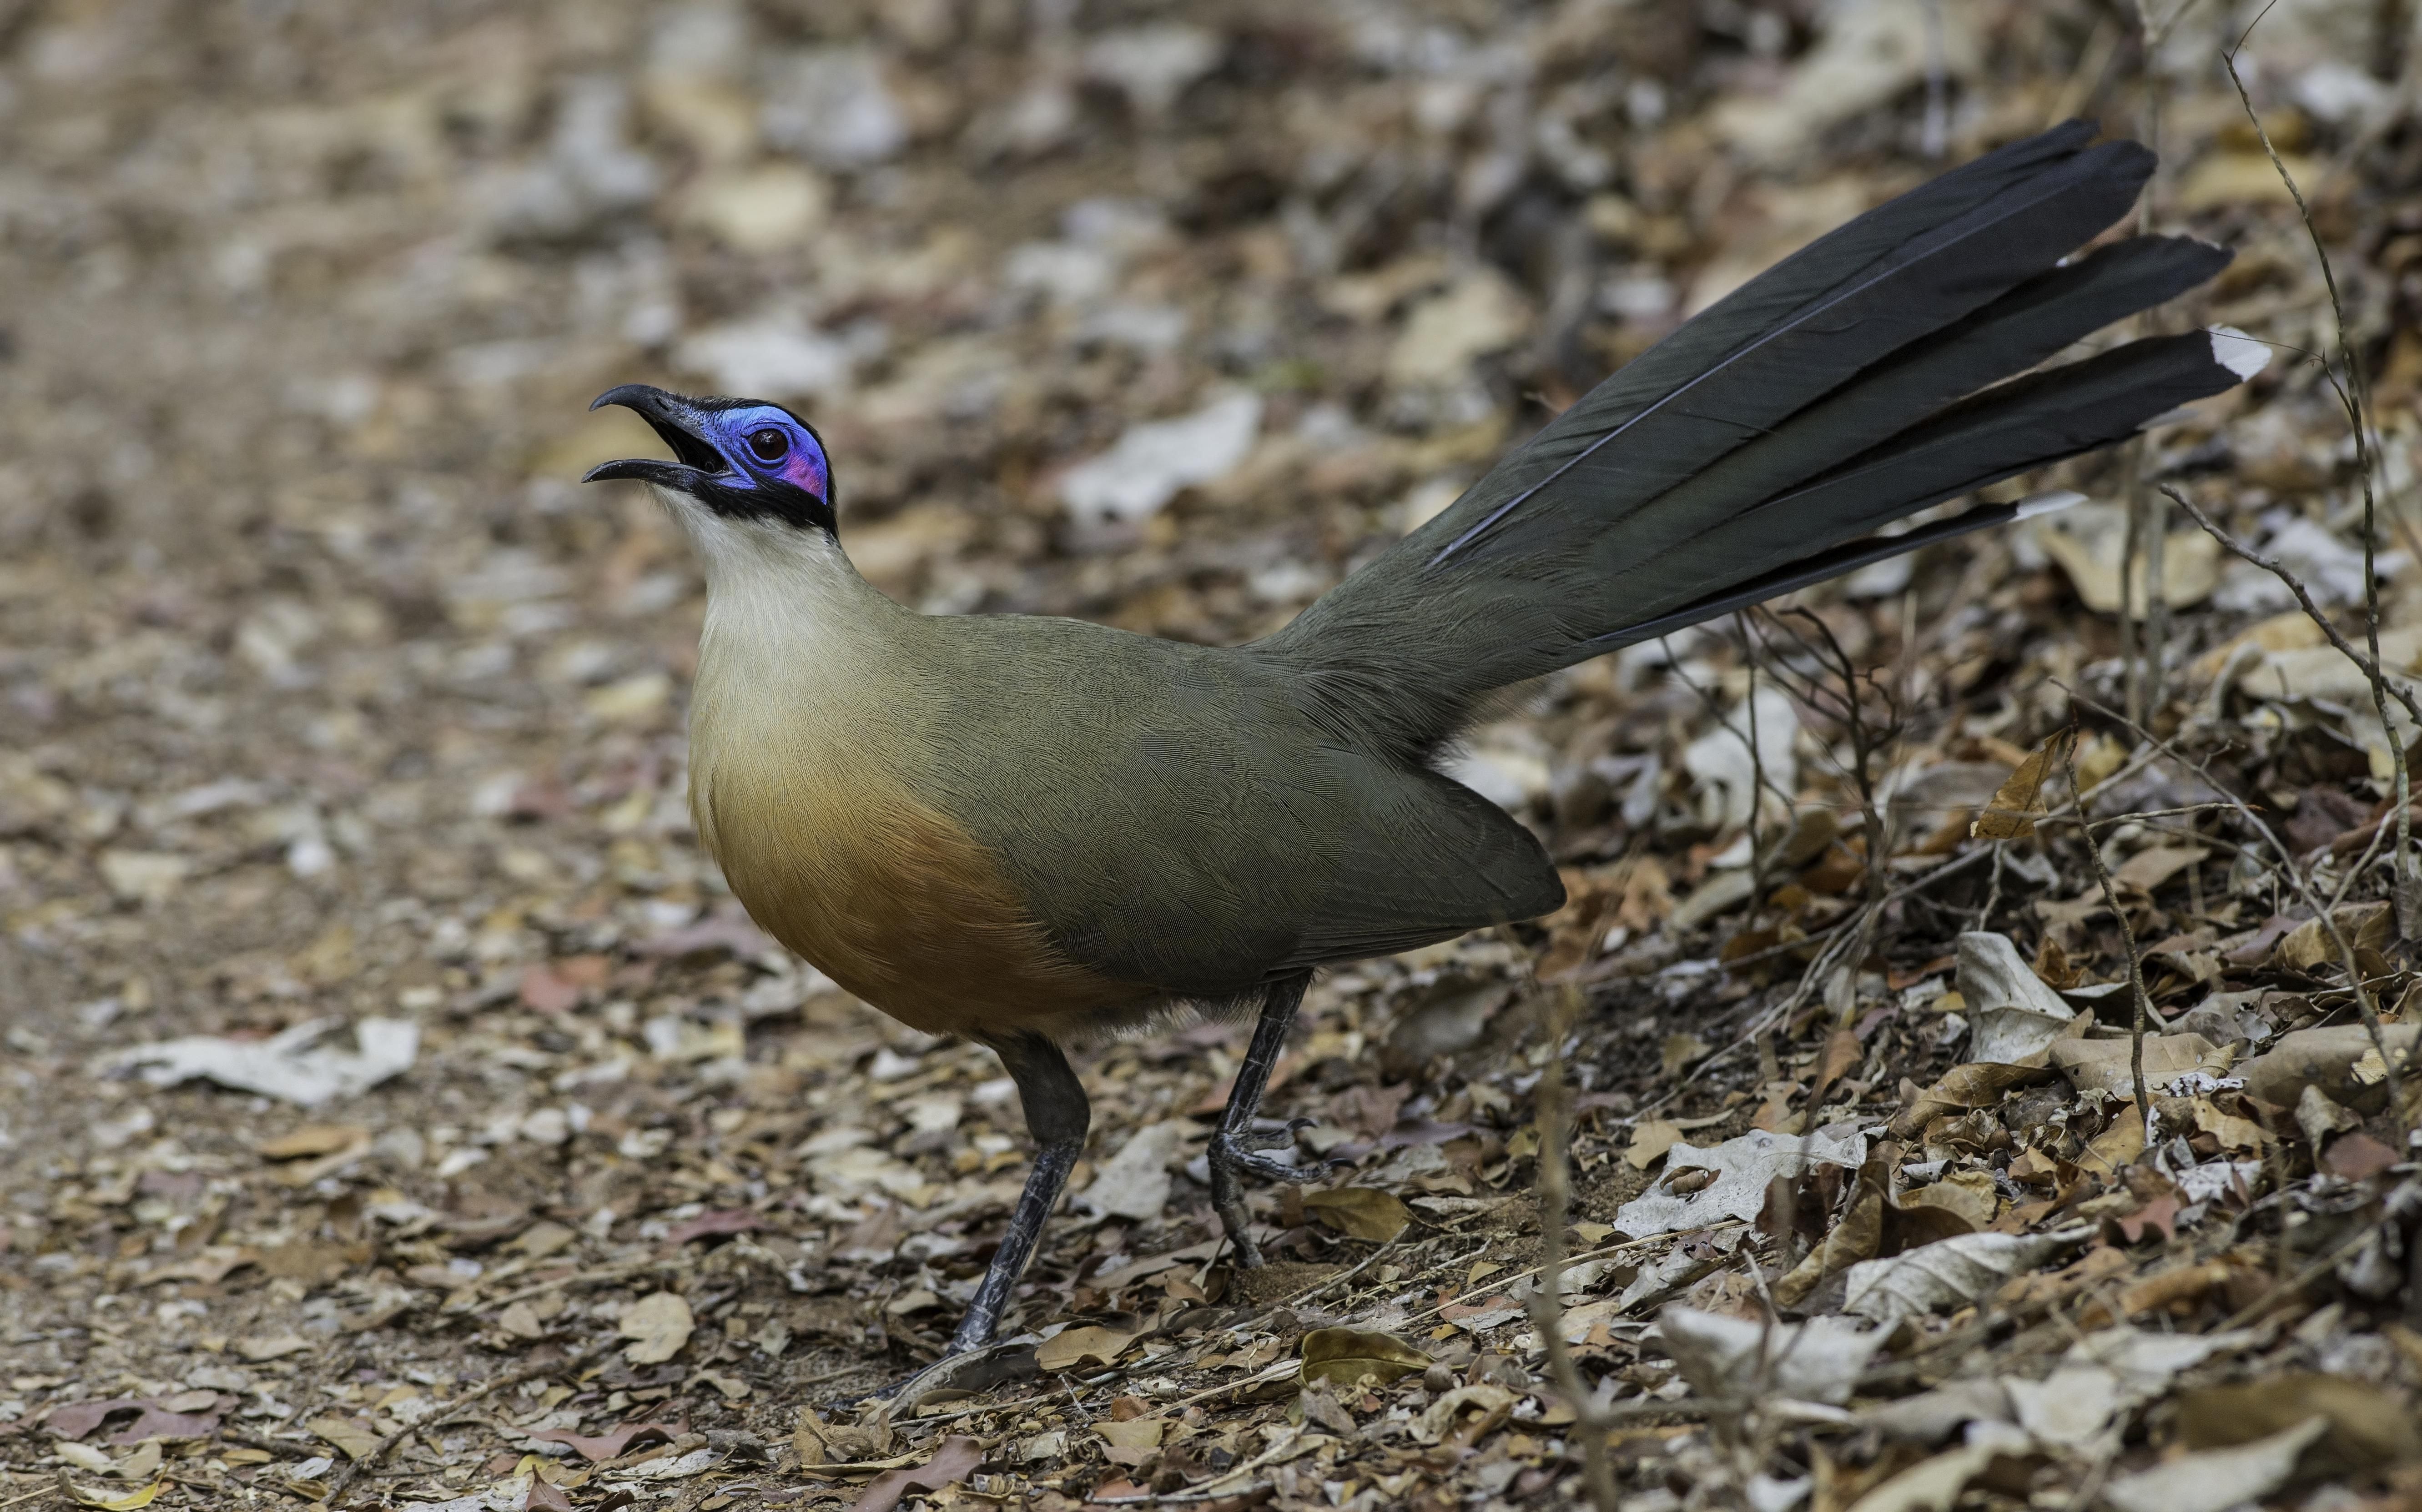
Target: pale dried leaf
<point>1948,1275</point>
<point>1743,1168</point>
<point>2216,1479</point>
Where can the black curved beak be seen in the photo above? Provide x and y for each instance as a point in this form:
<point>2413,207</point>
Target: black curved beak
<point>679,422</point>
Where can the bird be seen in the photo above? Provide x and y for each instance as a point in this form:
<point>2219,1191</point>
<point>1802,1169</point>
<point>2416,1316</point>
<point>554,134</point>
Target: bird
<point>1024,830</point>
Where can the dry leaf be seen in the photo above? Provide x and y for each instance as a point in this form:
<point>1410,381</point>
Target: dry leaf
<point>657,1326</point>
<point>314,1139</point>
<point>1650,1140</point>
<point>1819,1361</point>
<point>2363,925</point>
<point>108,1503</point>
<point>1345,1356</point>
<point>1680,1051</point>
<point>953,1461</point>
<point>2019,801</point>
<point>2149,868</point>
<point>354,1439</point>
<point>1359,1212</point>
<point>1971,1194</point>
<point>271,1346</point>
<point>1949,1274</point>
<point>2368,1428</point>
<point>1070,1348</point>
<point>1973,1084</point>
<point>1934,1485</point>
<point>1464,1415</point>
<point>2216,1479</point>
<point>1737,1173</point>
<point>2109,1064</point>
<point>2017,1016</point>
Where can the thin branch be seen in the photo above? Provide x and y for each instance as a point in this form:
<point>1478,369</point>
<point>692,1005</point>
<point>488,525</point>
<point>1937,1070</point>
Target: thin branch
<point>1546,1302</point>
<point>2355,396</point>
<point>2369,665</point>
<point>2144,1003</point>
<point>510,1377</point>
<point>2363,997</point>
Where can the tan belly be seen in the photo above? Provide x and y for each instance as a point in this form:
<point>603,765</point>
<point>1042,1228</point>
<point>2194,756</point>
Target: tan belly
<point>889,898</point>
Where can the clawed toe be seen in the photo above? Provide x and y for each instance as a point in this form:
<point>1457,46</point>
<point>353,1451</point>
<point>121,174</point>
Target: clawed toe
<point>1238,1152</point>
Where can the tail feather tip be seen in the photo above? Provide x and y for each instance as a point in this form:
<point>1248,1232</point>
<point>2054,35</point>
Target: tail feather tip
<point>2048,503</point>
<point>2237,352</point>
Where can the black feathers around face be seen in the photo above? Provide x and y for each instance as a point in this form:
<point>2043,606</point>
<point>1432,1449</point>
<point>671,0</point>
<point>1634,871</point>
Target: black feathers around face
<point>1851,383</point>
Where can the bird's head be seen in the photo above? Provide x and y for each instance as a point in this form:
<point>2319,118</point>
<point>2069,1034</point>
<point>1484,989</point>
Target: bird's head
<point>741,459</point>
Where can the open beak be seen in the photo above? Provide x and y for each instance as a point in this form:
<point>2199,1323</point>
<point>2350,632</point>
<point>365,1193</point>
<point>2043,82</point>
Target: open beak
<point>674,419</point>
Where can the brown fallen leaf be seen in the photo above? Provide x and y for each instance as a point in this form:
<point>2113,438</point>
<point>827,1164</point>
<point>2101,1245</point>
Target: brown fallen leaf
<point>2369,1428</point>
<point>2109,1064</point>
<point>1345,1355</point>
<point>2178,1288</point>
<point>2356,1156</point>
<point>658,1325</point>
<point>1975,1084</point>
<point>2363,925</point>
<point>953,1462</point>
<point>313,1139</point>
<point>209,1265</point>
<point>1070,1348</point>
<point>2017,803</point>
<point>1650,1139</point>
<point>354,1438</point>
<point>1359,1212</point>
<point>2146,870</point>
<point>1970,1194</point>
<point>1856,1237</point>
<point>256,1348</point>
<point>104,1500</point>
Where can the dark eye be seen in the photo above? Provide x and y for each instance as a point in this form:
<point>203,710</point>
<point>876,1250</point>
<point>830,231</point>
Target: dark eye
<point>768,444</point>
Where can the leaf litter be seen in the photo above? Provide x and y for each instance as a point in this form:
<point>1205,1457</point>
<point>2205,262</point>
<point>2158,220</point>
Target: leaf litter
<point>396,1111</point>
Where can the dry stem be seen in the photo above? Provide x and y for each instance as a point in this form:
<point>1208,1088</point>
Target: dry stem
<point>2143,1004</point>
<point>1555,1120</point>
<point>2355,396</point>
<point>2363,998</point>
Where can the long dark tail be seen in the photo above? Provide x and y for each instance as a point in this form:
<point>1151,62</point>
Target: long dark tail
<point>1854,383</point>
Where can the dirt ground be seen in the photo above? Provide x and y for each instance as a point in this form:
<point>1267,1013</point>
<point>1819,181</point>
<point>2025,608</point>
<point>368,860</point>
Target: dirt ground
<point>395,1110</point>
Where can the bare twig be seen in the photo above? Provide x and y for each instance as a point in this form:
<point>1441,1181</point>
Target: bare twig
<point>2369,665</point>
<point>2383,688</point>
<point>510,1377</point>
<point>1546,1307</point>
<point>2364,1005</point>
<point>2355,397</point>
<point>2144,1003</point>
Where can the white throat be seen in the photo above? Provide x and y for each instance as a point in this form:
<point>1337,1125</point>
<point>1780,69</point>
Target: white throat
<point>772,585</point>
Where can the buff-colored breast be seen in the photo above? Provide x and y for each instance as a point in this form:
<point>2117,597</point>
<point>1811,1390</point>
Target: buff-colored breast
<point>797,792</point>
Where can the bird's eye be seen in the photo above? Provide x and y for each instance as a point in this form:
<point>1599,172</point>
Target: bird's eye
<point>768,444</point>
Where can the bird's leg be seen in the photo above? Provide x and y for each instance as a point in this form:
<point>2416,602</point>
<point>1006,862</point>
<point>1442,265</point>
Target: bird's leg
<point>1058,1115</point>
<point>1233,1146</point>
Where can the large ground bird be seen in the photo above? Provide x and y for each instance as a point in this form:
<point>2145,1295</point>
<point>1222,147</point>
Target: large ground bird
<point>1020,829</point>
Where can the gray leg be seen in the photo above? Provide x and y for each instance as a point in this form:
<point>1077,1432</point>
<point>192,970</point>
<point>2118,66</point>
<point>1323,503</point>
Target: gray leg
<point>1058,1115</point>
<point>1233,1148</point>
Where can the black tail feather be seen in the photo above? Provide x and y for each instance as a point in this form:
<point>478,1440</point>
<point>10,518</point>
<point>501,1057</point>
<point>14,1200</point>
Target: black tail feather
<point>1825,398</point>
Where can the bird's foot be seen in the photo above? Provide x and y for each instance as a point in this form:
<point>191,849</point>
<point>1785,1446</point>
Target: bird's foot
<point>1231,1156</point>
